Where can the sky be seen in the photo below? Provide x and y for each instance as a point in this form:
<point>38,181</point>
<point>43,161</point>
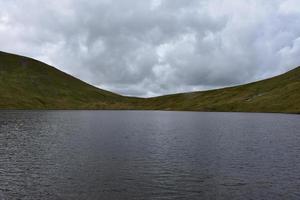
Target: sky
<point>155,47</point>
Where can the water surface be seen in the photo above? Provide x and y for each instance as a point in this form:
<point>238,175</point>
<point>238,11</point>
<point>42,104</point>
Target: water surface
<point>148,155</point>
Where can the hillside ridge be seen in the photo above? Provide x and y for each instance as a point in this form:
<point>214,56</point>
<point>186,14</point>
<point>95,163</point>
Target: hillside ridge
<point>26,83</point>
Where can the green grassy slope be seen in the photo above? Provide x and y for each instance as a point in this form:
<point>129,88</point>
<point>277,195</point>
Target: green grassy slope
<point>29,84</point>
<point>277,94</point>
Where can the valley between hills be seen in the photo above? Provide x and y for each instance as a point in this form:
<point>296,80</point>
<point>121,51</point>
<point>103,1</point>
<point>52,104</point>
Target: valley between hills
<point>26,83</point>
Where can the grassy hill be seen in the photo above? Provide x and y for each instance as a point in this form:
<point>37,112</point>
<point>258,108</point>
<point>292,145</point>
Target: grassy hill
<point>277,94</point>
<point>26,83</point>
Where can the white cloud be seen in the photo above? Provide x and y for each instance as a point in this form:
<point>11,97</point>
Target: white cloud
<point>155,4</point>
<point>289,7</point>
<point>156,47</point>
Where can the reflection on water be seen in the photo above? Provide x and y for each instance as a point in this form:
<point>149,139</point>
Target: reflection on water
<point>148,155</point>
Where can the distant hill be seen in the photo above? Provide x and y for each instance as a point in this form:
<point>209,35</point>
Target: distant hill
<point>277,94</point>
<point>26,83</point>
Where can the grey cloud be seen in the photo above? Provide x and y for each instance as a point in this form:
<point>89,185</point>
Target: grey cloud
<point>156,47</point>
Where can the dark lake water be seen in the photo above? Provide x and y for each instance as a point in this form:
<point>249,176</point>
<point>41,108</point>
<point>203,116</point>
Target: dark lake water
<point>148,155</point>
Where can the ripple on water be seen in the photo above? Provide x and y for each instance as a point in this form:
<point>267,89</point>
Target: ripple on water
<point>148,155</point>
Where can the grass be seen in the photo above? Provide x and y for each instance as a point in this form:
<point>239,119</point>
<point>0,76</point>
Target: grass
<point>278,94</point>
<point>30,84</point>
<point>26,83</point>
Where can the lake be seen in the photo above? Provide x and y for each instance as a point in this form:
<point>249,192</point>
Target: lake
<point>148,155</point>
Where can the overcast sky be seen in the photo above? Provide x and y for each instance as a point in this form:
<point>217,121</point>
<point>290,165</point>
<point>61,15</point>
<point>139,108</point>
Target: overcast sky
<point>154,47</point>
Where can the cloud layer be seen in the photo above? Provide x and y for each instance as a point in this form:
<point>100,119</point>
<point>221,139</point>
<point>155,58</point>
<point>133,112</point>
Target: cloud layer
<point>156,47</point>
